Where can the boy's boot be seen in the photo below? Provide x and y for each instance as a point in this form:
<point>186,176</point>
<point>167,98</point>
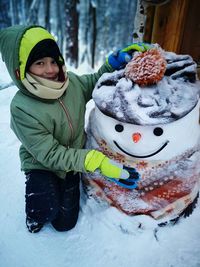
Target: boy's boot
<point>33,226</point>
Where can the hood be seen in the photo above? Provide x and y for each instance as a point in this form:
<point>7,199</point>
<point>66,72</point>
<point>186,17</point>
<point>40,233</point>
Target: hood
<point>16,43</point>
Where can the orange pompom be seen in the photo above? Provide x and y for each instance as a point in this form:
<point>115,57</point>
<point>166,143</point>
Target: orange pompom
<point>146,68</point>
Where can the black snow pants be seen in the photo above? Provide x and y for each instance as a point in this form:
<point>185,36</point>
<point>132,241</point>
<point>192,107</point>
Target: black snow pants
<point>52,199</point>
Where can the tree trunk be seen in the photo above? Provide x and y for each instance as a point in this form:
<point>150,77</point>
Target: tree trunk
<point>71,32</point>
<point>5,19</point>
<point>13,12</point>
<point>46,14</point>
<point>33,12</point>
<point>92,12</point>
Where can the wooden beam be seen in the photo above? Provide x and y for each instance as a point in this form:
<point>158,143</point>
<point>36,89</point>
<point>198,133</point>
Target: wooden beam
<point>191,36</point>
<point>168,24</point>
<point>150,13</point>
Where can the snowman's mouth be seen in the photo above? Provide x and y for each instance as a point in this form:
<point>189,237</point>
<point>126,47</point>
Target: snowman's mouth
<point>144,156</point>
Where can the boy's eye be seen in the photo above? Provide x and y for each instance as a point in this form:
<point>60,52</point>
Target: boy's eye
<point>158,131</point>
<point>39,62</point>
<point>54,62</point>
<point>119,128</point>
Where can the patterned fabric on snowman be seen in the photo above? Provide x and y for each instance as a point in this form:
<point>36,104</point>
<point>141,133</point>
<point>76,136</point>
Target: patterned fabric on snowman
<point>154,129</point>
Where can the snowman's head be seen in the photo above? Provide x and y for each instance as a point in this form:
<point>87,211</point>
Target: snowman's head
<point>153,122</point>
<point>149,142</point>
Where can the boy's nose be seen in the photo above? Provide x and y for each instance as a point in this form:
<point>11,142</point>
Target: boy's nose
<point>49,68</point>
<point>136,137</point>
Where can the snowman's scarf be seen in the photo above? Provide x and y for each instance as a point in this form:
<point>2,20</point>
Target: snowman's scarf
<point>166,188</point>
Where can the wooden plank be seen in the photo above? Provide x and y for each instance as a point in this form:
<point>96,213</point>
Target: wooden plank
<point>191,36</point>
<point>169,21</point>
<point>150,13</point>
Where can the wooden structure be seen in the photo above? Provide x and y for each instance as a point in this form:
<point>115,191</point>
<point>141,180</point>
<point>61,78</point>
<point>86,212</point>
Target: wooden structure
<point>175,25</point>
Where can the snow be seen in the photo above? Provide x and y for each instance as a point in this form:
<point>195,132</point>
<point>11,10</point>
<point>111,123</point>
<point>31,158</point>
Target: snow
<point>103,235</point>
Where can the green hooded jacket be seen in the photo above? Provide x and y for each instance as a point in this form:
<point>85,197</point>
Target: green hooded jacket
<point>51,131</point>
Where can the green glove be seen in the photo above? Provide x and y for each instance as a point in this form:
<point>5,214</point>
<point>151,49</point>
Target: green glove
<point>96,160</point>
<point>140,47</point>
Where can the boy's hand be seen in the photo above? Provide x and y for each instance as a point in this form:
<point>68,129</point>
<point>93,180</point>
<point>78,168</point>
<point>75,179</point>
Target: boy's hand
<point>96,160</point>
<point>118,59</point>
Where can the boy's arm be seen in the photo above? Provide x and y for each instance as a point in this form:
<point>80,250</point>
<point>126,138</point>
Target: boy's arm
<point>43,146</point>
<point>88,81</point>
<point>45,149</point>
<point>115,61</point>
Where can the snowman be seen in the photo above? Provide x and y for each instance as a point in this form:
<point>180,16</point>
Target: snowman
<point>146,117</point>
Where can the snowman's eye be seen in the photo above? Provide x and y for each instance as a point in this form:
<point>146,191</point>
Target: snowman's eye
<point>158,131</point>
<point>119,128</point>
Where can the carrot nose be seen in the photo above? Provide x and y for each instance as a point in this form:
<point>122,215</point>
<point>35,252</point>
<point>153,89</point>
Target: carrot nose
<point>136,137</point>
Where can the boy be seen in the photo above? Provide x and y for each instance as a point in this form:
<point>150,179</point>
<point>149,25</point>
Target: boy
<point>47,116</point>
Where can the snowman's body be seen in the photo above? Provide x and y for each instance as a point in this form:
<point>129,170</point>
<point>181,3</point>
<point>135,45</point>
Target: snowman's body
<point>167,156</point>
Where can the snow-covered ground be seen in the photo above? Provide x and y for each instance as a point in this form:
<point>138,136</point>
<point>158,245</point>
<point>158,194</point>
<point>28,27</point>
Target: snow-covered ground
<point>103,237</point>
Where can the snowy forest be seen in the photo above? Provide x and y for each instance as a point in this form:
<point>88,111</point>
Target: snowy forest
<point>86,30</point>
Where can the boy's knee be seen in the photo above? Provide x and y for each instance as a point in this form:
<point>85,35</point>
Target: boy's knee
<point>42,208</point>
<point>42,196</point>
<point>66,221</point>
<point>43,215</point>
<point>64,228</point>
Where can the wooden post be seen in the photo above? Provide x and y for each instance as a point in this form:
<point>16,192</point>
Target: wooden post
<point>168,24</point>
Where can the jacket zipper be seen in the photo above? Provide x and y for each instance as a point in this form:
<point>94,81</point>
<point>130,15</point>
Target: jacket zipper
<point>68,119</point>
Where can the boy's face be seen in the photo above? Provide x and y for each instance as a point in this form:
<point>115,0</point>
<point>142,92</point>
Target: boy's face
<point>45,67</point>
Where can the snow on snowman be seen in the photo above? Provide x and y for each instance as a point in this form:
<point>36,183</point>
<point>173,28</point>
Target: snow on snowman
<point>146,117</point>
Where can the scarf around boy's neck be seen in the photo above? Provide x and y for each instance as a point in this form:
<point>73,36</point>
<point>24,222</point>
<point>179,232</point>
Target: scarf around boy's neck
<point>45,88</point>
